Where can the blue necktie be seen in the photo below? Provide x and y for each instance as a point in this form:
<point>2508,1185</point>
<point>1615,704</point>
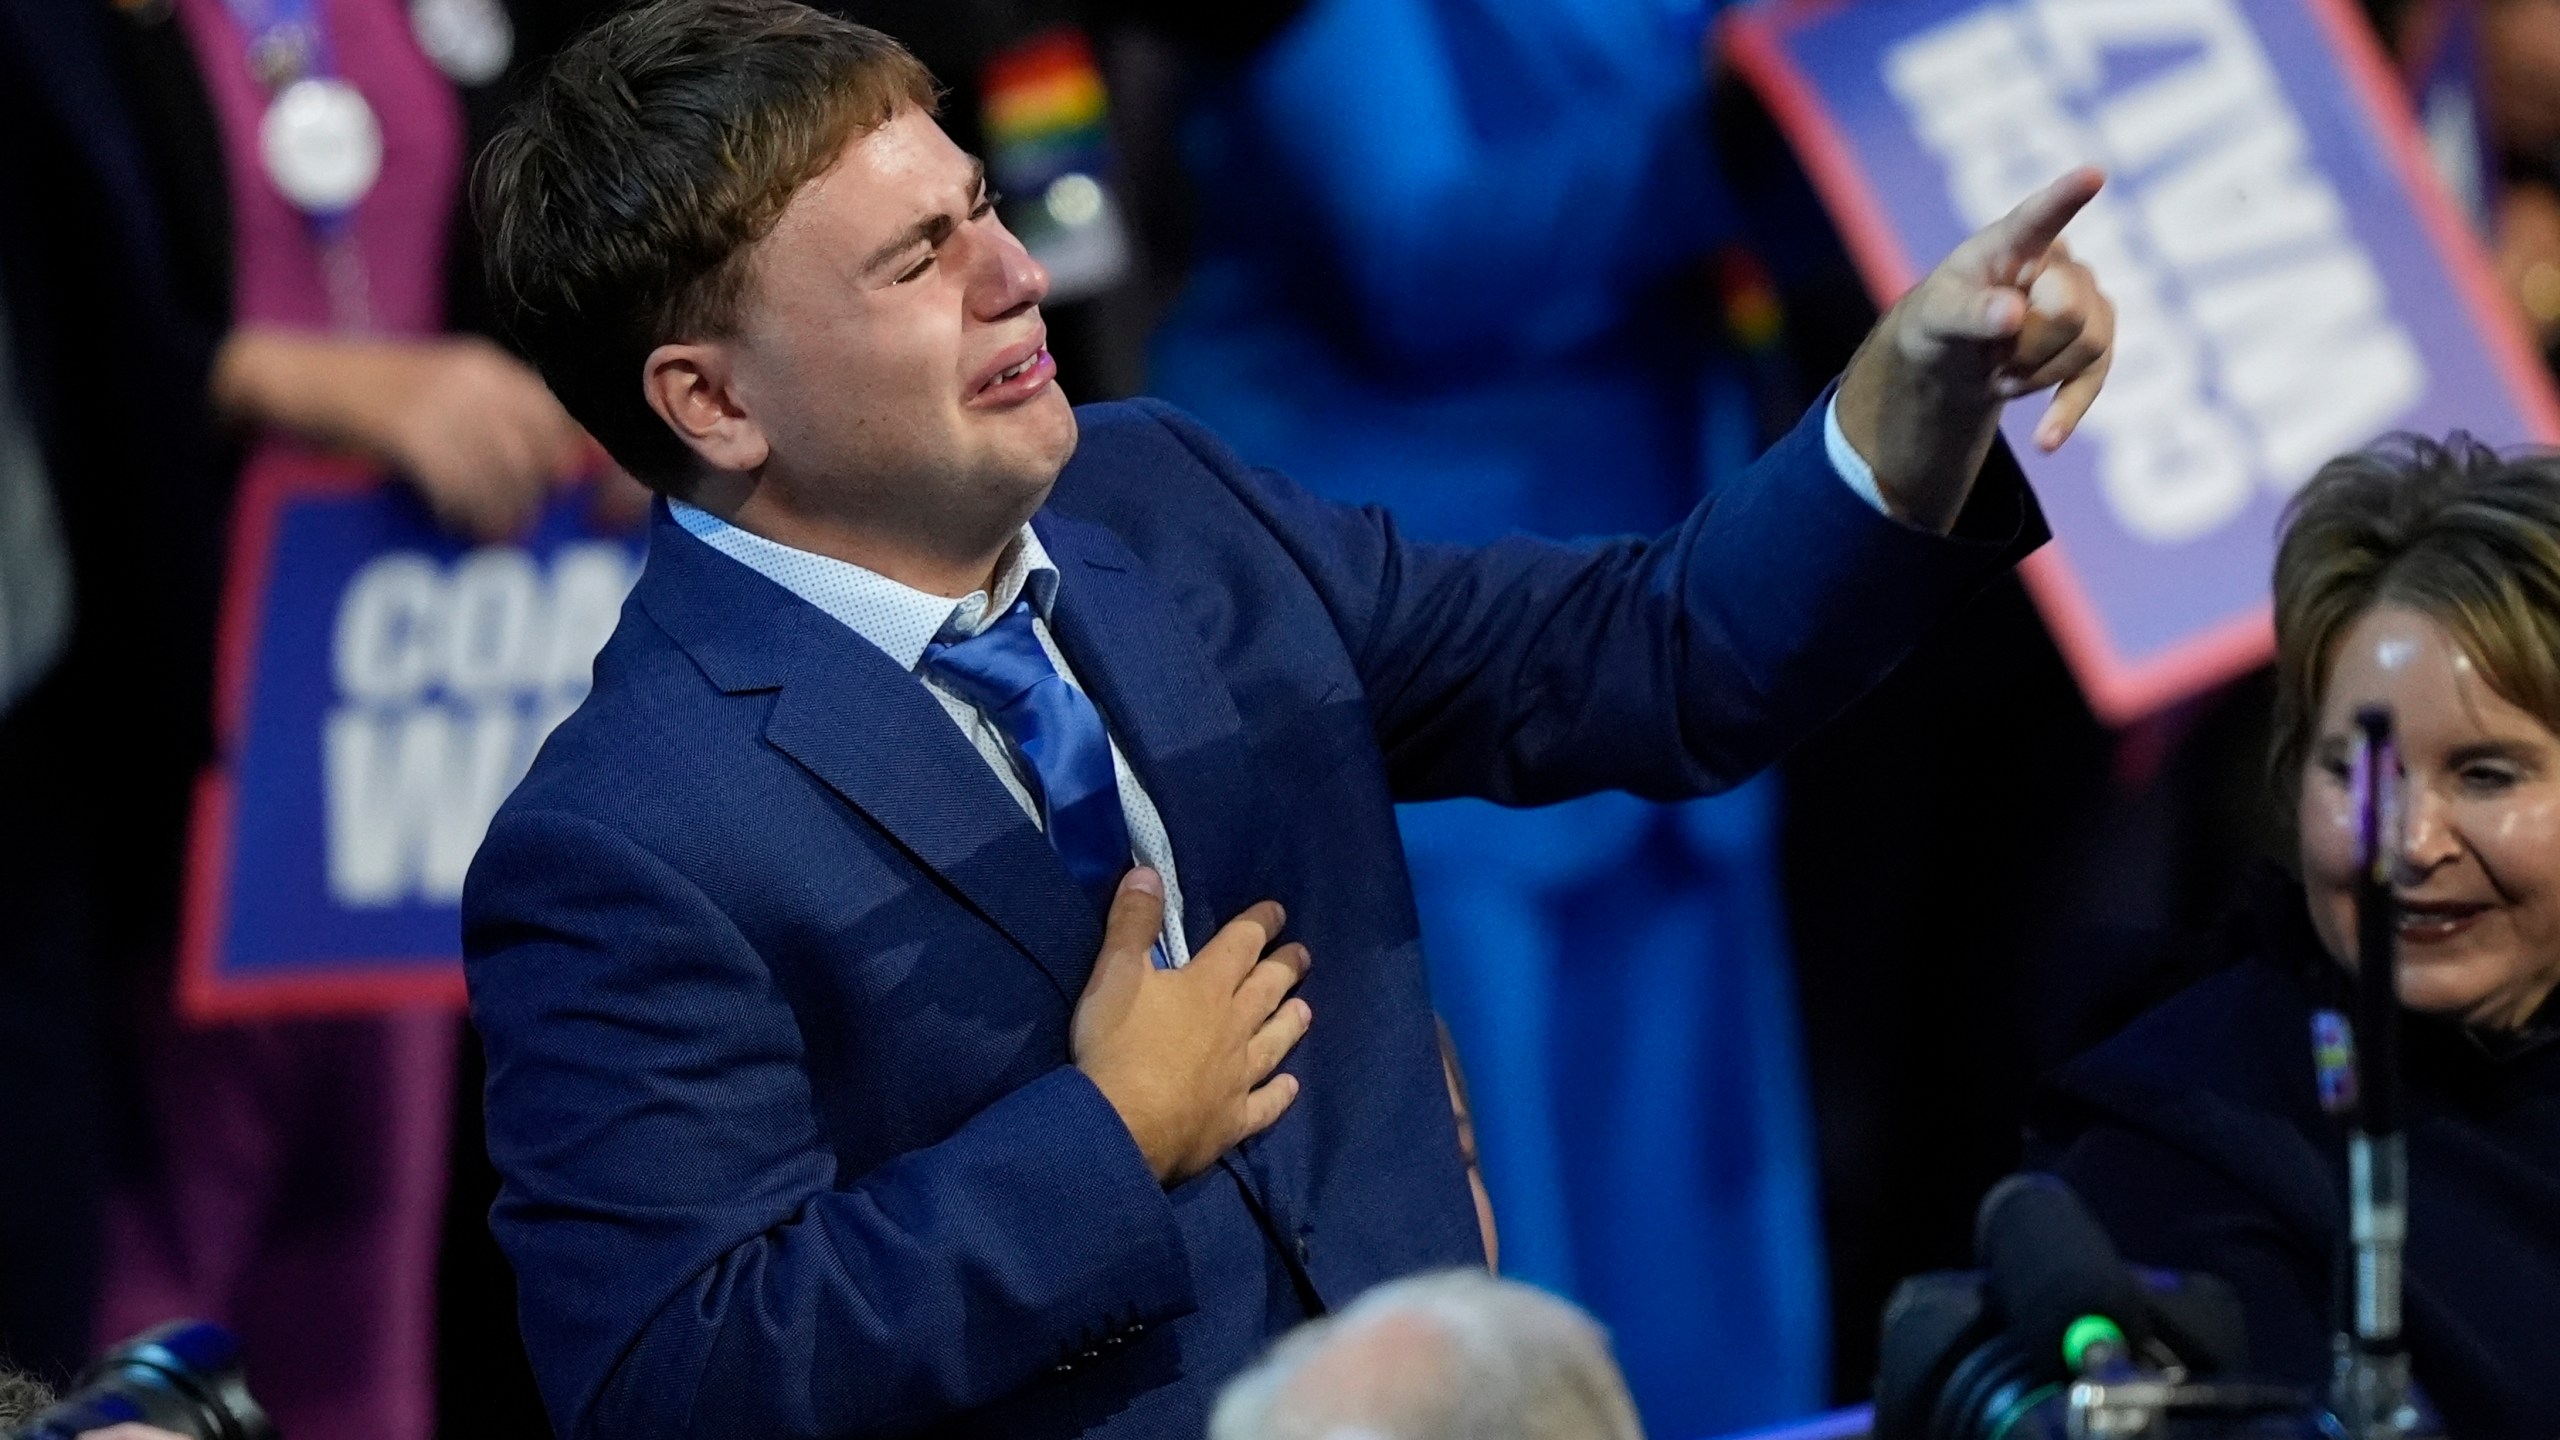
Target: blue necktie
<point>1003,671</point>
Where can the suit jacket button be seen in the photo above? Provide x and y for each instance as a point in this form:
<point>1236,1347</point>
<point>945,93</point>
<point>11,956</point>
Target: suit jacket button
<point>1063,1369</point>
<point>1306,1252</point>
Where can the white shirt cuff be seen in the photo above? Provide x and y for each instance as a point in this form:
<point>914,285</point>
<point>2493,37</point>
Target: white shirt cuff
<point>1853,468</point>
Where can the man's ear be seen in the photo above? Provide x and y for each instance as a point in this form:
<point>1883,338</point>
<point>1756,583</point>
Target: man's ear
<point>693,389</point>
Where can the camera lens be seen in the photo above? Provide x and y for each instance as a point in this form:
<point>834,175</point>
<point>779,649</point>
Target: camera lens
<point>182,1377</point>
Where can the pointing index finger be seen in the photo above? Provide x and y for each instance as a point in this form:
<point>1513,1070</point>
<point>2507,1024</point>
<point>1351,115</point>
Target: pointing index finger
<point>2021,237</point>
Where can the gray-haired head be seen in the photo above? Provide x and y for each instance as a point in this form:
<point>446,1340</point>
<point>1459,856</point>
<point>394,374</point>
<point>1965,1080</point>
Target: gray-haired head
<point>1456,1355</point>
<point>22,1398</point>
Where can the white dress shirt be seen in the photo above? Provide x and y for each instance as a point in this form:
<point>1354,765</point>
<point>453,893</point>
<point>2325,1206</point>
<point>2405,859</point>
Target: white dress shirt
<point>902,620</point>
<point>1854,470</point>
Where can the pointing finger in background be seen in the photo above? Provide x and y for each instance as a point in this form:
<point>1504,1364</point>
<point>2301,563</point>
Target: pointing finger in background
<point>2013,245</point>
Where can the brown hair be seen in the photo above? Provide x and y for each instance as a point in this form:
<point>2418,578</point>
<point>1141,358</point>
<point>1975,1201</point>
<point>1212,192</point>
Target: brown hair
<point>620,203</point>
<point>2449,529</point>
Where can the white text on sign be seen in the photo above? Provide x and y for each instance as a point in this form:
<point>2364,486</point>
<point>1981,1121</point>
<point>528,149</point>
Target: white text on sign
<point>448,677</point>
<point>2254,339</point>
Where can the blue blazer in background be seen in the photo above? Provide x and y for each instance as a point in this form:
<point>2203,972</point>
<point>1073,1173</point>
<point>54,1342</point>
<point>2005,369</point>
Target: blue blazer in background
<point>775,978</point>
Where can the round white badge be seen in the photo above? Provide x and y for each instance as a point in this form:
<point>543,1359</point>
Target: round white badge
<point>322,146</point>
<point>471,41</point>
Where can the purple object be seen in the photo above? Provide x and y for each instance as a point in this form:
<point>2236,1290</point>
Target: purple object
<point>2333,1061</point>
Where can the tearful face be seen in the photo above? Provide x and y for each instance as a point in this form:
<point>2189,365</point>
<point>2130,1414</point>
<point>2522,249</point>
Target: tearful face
<point>891,347</point>
<point>2478,870</point>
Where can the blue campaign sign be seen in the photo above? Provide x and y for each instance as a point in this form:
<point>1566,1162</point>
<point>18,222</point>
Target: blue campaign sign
<point>383,686</point>
<point>2290,279</point>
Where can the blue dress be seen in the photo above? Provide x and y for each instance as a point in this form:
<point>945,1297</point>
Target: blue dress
<point>1448,260</point>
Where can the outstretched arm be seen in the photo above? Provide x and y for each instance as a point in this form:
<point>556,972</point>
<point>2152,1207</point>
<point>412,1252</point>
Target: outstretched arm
<point>1530,671</point>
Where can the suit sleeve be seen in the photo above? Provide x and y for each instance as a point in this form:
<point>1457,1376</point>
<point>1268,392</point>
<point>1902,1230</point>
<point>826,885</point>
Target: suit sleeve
<point>691,1261</point>
<point>1531,671</point>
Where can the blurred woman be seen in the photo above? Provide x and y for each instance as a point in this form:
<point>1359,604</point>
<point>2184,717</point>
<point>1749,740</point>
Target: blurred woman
<point>2425,578</point>
<point>280,178</point>
<point>1455,259</point>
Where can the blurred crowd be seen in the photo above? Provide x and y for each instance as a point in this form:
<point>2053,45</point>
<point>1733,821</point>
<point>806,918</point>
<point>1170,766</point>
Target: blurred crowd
<point>1735,1066</point>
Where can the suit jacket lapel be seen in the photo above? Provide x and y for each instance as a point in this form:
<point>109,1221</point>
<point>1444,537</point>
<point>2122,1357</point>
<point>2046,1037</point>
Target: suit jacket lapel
<point>878,738</point>
<point>1141,660</point>
<point>875,736</point>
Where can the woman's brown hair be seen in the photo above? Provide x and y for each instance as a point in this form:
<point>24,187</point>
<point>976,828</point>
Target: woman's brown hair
<point>2450,529</point>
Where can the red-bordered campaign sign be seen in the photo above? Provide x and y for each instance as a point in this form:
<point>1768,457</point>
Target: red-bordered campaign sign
<point>382,686</point>
<point>2290,279</point>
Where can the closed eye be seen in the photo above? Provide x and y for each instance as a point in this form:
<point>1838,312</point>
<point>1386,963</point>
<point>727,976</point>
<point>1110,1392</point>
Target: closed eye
<point>2488,779</point>
<point>986,206</point>
<point>2493,767</point>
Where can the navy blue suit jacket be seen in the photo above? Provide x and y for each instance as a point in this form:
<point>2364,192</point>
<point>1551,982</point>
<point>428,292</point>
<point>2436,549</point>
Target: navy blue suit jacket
<point>775,978</point>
